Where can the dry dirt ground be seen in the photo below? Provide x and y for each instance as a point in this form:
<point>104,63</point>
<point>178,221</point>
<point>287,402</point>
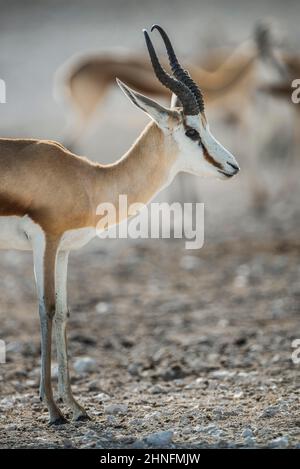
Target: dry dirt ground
<point>194,345</point>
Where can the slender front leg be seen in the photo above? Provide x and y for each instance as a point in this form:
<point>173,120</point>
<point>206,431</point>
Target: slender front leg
<point>44,253</point>
<point>60,321</point>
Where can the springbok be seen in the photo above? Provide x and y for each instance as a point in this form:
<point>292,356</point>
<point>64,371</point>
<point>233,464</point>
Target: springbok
<point>49,198</point>
<point>288,67</point>
<point>83,82</point>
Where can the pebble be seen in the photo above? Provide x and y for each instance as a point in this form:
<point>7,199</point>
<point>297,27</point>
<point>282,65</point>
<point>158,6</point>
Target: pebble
<point>138,444</point>
<point>67,443</point>
<point>238,394</point>
<point>102,397</point>
<point>270,411</point>
<point>134,369</point>
<point>247,433</point>
<point>280,442</point>
<point>54,370</point>
<point>7,403</point>
<point>114,409</point>
<point>103,308</point>
<point>221,374</point>
<point>157,389</point>
<point>14,347</point>
<point>153,415</point>
<point>250,441</point>
<point>136,422</point>
<point>112,420</point>
<point>85,365</point>
<point>210,430</point>
<point>190,263</point>
<point>218,413</point>
<point>160,439</point>
<point>11,426</point>
<point>94,385</point>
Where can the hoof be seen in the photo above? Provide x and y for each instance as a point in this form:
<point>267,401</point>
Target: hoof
<point>82,418</point>
<point>61,420</point>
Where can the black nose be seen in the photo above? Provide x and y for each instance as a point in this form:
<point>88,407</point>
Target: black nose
<point>234,166</point>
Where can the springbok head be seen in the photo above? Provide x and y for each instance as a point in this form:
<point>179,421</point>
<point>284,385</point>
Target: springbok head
<point>198,152</point>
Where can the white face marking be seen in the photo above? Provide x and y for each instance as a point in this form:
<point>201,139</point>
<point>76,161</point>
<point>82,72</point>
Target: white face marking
<point>192,154</point>
<point>206,158</point>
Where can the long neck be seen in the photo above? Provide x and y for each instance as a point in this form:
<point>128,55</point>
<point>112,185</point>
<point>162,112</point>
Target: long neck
<point>233,70</point>
<point>141,173</point>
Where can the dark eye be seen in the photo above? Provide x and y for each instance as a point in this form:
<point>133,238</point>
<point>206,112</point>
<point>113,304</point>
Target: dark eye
<point>193,134</point>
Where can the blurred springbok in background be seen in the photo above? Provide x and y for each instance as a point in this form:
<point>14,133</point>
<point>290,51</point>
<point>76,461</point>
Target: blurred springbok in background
<point>84,81</point>
<point>283,67</point>
<point>287,66</point>
<point>49,198</point>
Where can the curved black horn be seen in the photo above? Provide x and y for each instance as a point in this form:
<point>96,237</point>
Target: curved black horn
<point>186,96</point>
<point>178,71</point>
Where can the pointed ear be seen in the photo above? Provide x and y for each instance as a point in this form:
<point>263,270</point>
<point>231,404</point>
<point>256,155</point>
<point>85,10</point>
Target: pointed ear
<point>158,113</point>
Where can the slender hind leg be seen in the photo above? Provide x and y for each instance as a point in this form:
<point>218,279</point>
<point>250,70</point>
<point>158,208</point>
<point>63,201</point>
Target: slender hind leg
<point>44,254</point>
<point>60,321</point>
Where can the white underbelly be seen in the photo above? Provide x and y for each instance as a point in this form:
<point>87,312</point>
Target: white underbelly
<point>76,239</point>
<point>19,233</point>
<point>13,234</point>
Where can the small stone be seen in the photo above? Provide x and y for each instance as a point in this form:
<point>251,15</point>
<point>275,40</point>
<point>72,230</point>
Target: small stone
<point>280,442</point>
<point>14,347</point>
<point>94,385</point>
<point>222,374</point>
<point>114,409</point>
<point>133,369</point>
<point>160,439</point>
<point>157,389</point>
<point>85,365</point>
<point>138,444</point>
<point>247,433</point>
<point>30,383</point>
<point>11,427</point>
<point>102,397</point>
<point>54,370</point>
<point>153,415</point>
<point>67,443</point>
<point>103,308</point>
<point>189,263</point>
<point>218,413</point>
<point>250,441</point>
<point>270,411</point>
<point>7,403</point>
<point>210,430</point>
<point>136,422</point>
<point>112,420</point>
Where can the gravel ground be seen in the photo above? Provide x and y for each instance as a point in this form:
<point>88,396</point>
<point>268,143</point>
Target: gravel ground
<point>169,349</point>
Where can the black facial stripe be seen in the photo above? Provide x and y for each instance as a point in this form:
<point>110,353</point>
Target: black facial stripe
<point>201,144</point>
<point>206,154</point>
